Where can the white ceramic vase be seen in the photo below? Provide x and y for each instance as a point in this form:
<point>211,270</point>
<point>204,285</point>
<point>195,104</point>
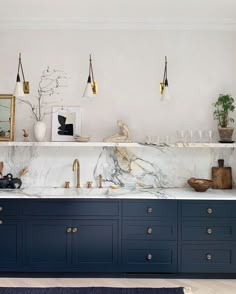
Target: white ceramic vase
<point>39,130</point>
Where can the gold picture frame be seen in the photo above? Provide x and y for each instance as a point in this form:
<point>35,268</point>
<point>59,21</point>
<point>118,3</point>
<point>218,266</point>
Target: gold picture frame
<point>7,117</point>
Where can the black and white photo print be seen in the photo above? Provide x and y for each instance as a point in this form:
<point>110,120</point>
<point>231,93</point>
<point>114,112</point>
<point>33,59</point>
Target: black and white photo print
<point>66,123</point>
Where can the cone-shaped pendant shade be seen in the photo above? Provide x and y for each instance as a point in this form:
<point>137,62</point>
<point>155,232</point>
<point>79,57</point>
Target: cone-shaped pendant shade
<point>88,92</point>
<point>18,92</point>
<point>166,94</point>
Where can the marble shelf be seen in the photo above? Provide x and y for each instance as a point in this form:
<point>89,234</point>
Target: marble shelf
<point>105,144</point>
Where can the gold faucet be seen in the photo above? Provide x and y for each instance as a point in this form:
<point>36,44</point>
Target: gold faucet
<point>76,166</point>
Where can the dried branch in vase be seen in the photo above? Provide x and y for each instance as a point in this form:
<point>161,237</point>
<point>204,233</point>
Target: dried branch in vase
<point>1,168</point>
<point>49,84</point>
<point>23,172</point>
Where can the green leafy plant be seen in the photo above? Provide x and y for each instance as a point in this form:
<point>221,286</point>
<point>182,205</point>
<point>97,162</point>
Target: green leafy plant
<point>223,106</point>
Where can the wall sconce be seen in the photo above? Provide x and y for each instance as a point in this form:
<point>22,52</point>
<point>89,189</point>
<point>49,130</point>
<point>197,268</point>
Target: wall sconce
<point>91,87</point>
<point>164,85</point>
<point>19,90</point>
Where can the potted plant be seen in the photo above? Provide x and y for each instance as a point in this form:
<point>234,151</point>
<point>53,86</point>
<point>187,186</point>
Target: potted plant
<point>223,106</point>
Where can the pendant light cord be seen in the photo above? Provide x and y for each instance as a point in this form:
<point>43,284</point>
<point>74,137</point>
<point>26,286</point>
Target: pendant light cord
<point>165,80</point>
<point>91,68</point>
<point>20,67</point>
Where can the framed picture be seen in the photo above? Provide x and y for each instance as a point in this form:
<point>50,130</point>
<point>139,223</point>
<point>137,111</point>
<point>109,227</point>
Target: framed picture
<point>7,117</point>
<point>66,123</point>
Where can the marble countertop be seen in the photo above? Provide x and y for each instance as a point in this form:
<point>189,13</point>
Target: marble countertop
<point>108,193</point>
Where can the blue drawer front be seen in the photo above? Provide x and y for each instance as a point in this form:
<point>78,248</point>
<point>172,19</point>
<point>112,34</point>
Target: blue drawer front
<point>210,257</point>
<point>150,230</point>
<point>150,208</point>
<point>72,208</point>
<point>145,256</point>
<point>221,230</point>
<point>209,209</point>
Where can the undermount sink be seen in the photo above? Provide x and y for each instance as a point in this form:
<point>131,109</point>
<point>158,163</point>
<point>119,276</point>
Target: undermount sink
<point>66,192</point>
<point>80,192</point>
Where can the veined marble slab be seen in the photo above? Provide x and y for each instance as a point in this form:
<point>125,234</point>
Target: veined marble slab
<point>108,193</point>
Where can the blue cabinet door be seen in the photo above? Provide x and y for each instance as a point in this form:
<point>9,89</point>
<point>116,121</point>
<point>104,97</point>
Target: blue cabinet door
<point>10,244</point>
<point>48,244</point>
<point>95,245</point>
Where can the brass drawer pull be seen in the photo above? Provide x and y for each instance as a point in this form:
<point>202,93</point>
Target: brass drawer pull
<point>149,231</point>
<point>209,231</point>
<point>208,257</point>
<point>1,208</point>
<point>149,210</point>
<point>1,222</point>
<point>68,230</point>
<point>74,230</point>
<point>209,210</point>
<point>149,256</point>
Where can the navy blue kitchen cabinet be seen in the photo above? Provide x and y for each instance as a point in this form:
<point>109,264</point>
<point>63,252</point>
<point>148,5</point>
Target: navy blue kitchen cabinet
<point>47,244</point>
<point>114,235</point>
<point>207,237</point>
<point>95,245</point>
<point>11,251</point>
<point>149,236</point>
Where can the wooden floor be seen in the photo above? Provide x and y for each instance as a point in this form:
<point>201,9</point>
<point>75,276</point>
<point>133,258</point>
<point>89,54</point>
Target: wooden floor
<point>197,286</point>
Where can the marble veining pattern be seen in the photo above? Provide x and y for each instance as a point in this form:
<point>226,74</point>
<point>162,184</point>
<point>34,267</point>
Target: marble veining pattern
<point>151,166</point>
<point>108,193</point>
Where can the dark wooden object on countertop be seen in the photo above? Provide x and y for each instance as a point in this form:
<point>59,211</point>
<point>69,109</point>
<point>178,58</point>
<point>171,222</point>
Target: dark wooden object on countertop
<point>221,176</point>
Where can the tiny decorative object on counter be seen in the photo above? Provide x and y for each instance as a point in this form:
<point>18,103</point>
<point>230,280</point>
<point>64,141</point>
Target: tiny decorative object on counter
<point>200,185</point>
<point>1,169</point>
<point>222,176</point>
<point>8,182</point>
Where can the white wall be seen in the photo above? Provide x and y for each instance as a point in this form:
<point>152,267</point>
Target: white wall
<point>128,66</point>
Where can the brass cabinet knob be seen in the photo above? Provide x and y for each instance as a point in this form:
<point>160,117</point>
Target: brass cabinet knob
<point>209,231</point>
<point>149,256</point>
<point>68,230</point>
<point>74,230</point>
<point>149,210</point>
<point>1,208</point>
<point>1,222</point>
<point>208,257</point>
<point>149,231</point>
<point>209,210</point>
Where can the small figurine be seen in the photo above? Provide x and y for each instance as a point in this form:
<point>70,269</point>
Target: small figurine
<point>25,135</point>
<point>122,136</point>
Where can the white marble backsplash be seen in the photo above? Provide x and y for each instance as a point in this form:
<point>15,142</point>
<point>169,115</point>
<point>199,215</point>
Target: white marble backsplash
<point>147,166</point>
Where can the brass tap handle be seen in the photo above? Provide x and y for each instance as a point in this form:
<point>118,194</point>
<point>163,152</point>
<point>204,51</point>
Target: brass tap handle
<point>67,185</point>
<point>89,184</point>
<point>100,181</point>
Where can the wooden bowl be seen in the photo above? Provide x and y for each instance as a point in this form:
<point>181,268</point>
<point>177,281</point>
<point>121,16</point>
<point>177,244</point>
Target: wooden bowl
<point>200,185</point>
